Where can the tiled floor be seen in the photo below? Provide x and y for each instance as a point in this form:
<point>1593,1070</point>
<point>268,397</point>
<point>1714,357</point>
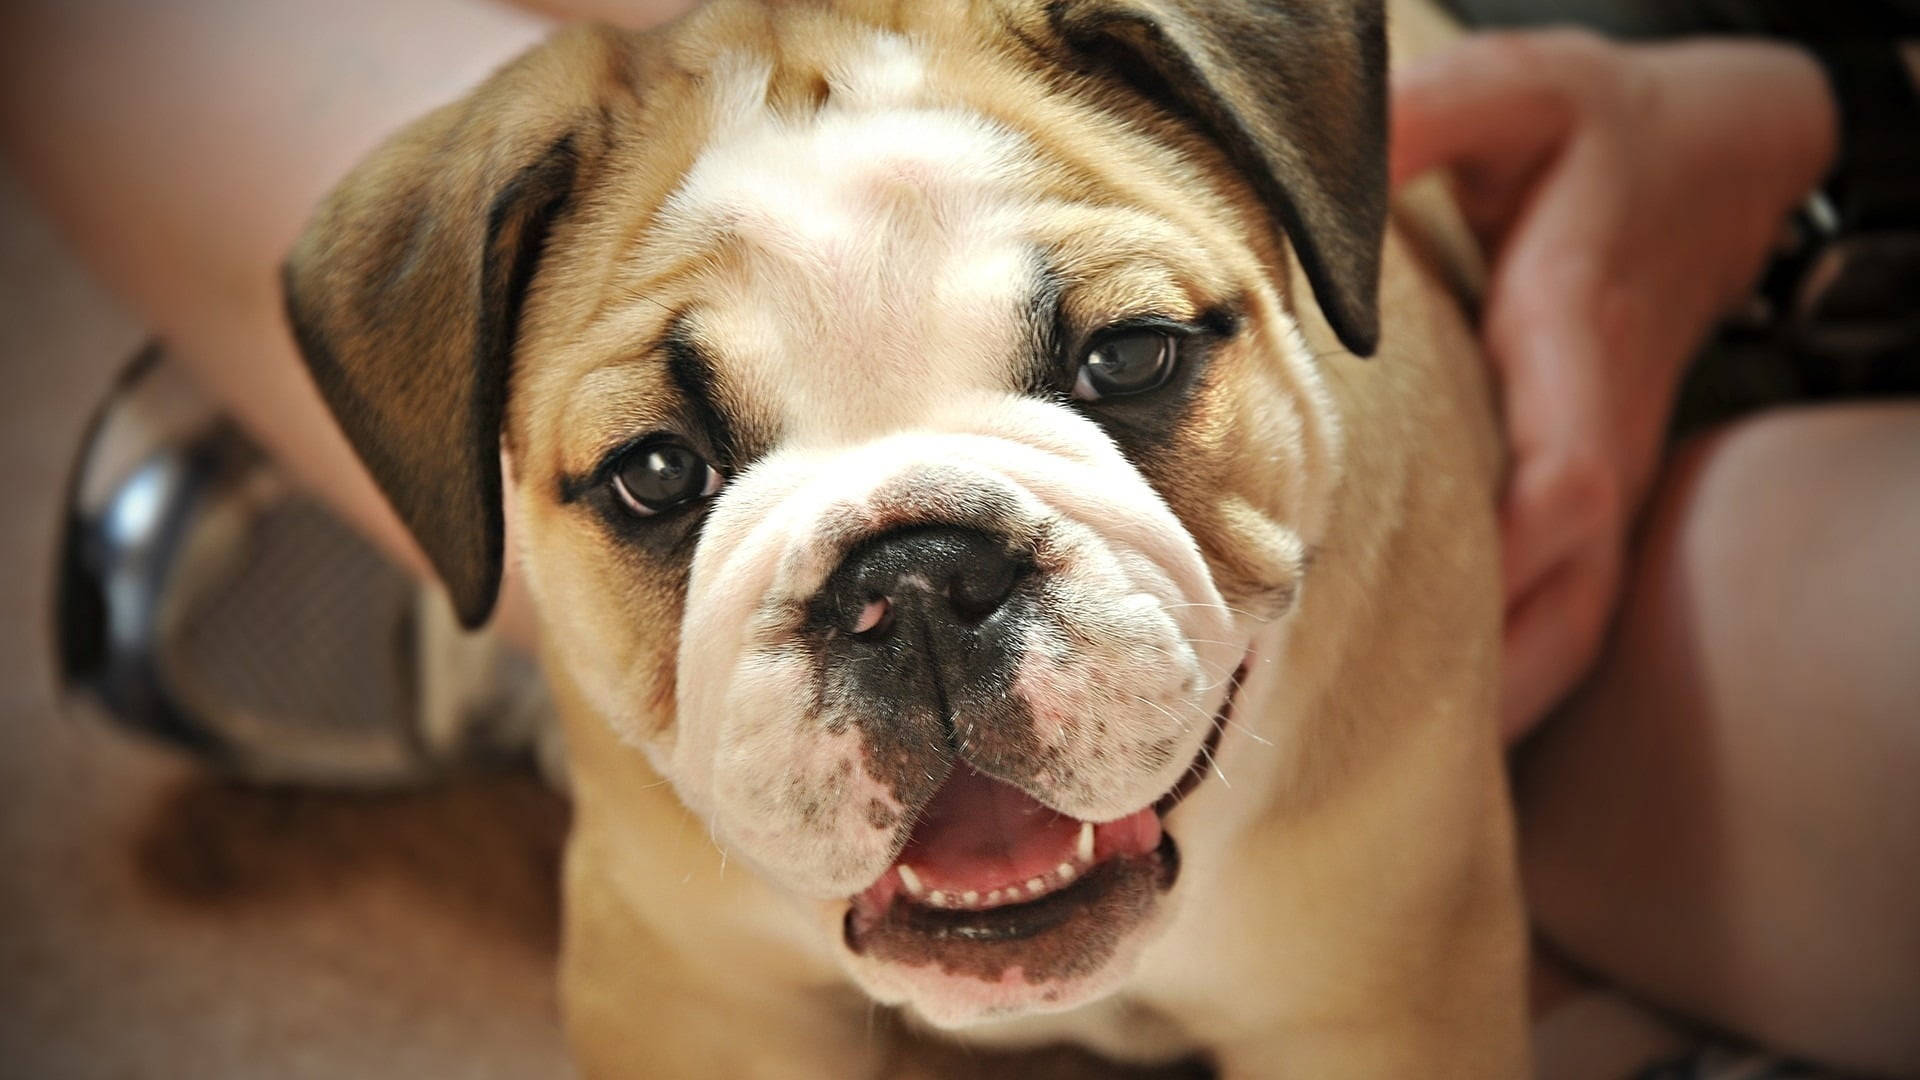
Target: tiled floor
<point>156,924</point>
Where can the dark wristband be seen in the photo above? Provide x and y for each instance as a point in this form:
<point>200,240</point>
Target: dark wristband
<point>1875,183</point>
<point>1841,295</point>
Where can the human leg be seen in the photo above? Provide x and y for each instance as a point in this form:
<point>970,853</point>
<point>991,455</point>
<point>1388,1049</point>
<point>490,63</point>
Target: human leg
<point>1727,820</point>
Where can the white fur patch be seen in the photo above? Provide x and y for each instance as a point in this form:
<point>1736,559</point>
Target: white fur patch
<point>884,241</point>
<point>889,75</point>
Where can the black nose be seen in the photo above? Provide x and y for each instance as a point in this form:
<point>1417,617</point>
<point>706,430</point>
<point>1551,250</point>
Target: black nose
<point>938,580</point>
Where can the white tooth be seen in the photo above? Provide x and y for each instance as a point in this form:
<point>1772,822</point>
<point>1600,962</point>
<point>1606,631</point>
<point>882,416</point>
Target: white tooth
<point>910,879</point>
<point>937,898</point>
<point>1065,872</point>
<point>1034,886</point>
<point>993,897</point>
<point>1085,849</point>
<point>969,898</point>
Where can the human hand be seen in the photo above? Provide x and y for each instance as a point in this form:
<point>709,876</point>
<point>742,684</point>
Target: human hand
<point>1628,196</point>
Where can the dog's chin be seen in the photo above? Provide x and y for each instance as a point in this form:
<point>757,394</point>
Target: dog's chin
<point>1000,907</point>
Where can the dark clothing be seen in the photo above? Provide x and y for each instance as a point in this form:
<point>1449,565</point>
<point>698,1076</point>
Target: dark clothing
<point>1799,19</point>
<point>1805,21</point>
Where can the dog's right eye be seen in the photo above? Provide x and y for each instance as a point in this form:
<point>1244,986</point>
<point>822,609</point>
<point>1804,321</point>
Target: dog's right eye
<point>657,476</point>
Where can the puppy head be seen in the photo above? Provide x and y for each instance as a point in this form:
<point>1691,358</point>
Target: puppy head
<point>908,424</point>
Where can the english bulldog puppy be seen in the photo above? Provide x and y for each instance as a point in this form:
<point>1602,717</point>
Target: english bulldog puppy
<point>983,575</point>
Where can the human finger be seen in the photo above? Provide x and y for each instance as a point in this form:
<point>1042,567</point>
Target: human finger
<point>1551,509</point>
<point>1553,634</point>
<point>1543,334</point>
<point>1491,101</point>
<point>1556,412</point>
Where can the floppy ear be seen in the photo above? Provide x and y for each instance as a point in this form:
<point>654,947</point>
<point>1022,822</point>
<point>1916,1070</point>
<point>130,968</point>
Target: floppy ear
<point>1294,93</point>
<point>405,290</point>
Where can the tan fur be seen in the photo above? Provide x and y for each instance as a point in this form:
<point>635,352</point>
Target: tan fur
<point>1361,856</point>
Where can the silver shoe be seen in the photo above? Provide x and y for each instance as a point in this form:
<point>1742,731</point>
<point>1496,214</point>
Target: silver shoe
<point>205,601</point>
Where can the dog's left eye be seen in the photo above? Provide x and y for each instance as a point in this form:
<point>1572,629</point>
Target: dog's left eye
<point>1132,362</point>
<point>655,477</point>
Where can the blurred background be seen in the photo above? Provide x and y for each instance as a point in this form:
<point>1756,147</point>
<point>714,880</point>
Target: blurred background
<point>156,921</point>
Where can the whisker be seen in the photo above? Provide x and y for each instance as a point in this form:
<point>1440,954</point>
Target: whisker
<point>1251,734</point>
<point>1170,654</point>
<point>1185,725</point>
<point>1208,686</point>
<point>1216,607</point>
<point>1161,649</point>
<point>1215,764</point>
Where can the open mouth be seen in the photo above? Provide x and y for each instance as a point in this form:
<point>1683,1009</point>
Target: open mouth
<point>993,879</point>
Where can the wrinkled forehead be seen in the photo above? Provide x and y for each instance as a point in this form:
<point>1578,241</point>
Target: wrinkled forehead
<point>837,264</point>
<point>861,262</point>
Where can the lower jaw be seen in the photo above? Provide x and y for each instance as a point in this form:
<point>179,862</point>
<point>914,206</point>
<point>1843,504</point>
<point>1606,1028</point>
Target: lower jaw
<point>1046,955</point>
<point>912,928</point>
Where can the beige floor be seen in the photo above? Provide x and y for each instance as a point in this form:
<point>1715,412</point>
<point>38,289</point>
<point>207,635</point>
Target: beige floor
<point>156,924</point>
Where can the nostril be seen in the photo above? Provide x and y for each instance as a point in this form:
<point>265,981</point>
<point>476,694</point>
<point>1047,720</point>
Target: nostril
<point>978,594</point>
<point>918,581</point>
<point>876,618</point>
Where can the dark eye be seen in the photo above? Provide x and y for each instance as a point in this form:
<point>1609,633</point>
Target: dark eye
<point>1128,363</point>
<point>655,477</point>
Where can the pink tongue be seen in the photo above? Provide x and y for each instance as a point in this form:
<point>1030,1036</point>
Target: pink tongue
<point>979,834</point>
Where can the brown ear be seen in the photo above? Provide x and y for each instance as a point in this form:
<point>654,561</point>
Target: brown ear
<point>1294,93</point>
<point>405,290</point>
